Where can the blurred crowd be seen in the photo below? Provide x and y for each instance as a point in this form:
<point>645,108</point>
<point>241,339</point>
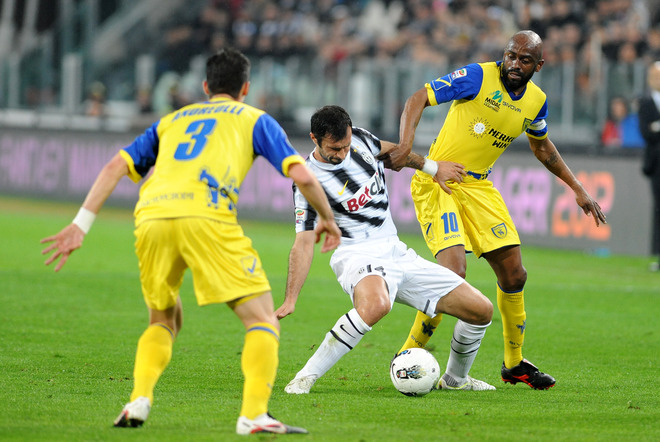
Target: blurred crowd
<point>445,32</point>
<point>417,30</point>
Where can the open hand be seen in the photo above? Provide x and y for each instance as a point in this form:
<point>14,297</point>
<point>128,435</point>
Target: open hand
<point>63,244</point>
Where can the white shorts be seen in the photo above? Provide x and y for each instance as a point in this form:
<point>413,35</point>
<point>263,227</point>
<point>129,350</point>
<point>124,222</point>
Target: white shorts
<point>411,279</point>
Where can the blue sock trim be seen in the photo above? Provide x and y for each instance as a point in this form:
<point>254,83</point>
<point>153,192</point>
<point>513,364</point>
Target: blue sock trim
<point>160,324</point>
<point>264,328</point>
<point>509,293</point>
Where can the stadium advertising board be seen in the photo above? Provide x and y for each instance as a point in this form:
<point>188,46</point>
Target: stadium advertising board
<point>62,165</point>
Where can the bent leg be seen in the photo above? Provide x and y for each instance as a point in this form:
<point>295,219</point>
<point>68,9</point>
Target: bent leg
<point>474,312</point>
<point>423,326</point>
<point>372,302</point>
<point>467,304</point>
<point>342,338</point>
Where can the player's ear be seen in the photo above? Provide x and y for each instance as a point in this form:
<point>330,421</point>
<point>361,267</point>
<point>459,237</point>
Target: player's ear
<point>539,65</point>
<point>205,86</point>
<point>311,135</point>
<point>245,89</point>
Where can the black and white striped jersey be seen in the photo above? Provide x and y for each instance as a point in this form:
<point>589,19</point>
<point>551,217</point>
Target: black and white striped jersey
<point>356,191</point>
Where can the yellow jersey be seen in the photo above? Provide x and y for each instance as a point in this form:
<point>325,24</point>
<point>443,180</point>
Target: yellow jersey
<point>484,117</point>
<point>200,155</point>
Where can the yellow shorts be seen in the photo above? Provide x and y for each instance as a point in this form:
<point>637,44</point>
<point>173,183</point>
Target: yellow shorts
<point>224,265</point>
<point>474,215</point>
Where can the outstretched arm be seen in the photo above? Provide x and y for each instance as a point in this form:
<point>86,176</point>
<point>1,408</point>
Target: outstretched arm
<point>71,237</point>
<point>546,152</point>
<point>300,261</point>
<point>441,171</point>
<point>311,189</point>
<point>412,112</point>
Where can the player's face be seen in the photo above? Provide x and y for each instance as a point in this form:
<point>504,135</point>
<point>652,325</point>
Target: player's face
<point>519,64</point>
<point>333,151</point>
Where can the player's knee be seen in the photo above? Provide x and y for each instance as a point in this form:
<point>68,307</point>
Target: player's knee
<point>373,312</point>
<point>483,309</point>
<point>514,281</point>
<point>486,312</point>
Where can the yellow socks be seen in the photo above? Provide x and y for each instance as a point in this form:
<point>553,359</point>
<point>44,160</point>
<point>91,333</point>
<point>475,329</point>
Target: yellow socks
<point>154,352</point>
<point>259,363</point>
<point>512,309</point>
<point>421,331</point>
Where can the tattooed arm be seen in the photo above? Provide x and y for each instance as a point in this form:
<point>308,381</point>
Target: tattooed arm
<point>546,152</point>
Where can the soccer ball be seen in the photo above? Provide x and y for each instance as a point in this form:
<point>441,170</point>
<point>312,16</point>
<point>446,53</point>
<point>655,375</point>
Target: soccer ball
<point>414,372</point>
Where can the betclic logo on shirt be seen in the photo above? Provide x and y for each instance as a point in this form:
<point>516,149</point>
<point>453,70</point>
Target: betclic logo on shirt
<point>374,186</point>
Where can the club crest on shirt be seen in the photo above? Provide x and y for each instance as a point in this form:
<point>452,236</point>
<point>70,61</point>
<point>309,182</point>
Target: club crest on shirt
<point>499,230</point>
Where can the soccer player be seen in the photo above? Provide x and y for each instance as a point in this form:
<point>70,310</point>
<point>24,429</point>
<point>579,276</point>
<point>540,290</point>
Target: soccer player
<point>493,103</point>
<point>186,218</point>
<point>372,265</point>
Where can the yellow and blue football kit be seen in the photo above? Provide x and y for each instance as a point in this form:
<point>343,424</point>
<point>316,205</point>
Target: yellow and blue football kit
<point>200,155</point>
<point>186,218</point>
<point>482,121</point>
<point>484,118</point>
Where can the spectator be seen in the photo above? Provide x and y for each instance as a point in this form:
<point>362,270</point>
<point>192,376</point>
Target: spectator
<point>145,106</point>
<point>621,129</point>
<point>181,42</point>
<point>621,33</point>
<point>95,103</point>
<point>653,44</point>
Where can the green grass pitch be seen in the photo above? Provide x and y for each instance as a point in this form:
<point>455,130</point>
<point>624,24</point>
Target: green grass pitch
<point>67,343</point>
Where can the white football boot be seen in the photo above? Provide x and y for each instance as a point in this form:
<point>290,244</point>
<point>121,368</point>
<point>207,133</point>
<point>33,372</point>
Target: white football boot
<point>265,423</point>
<point>447,382</point>
<point>300,385</point>
<point>134,413</point>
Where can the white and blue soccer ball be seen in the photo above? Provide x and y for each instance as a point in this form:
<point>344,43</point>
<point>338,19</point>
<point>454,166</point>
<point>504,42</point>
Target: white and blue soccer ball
<point>414,372</point>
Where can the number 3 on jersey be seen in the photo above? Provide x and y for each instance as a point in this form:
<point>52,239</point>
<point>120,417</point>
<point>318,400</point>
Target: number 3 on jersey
<point>199,131</point>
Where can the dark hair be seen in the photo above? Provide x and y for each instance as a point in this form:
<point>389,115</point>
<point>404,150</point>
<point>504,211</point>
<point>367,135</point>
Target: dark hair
<point>330,120</point>
<point>227,71</point>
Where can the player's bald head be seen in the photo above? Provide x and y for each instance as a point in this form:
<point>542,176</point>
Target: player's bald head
<point>529,40</point>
